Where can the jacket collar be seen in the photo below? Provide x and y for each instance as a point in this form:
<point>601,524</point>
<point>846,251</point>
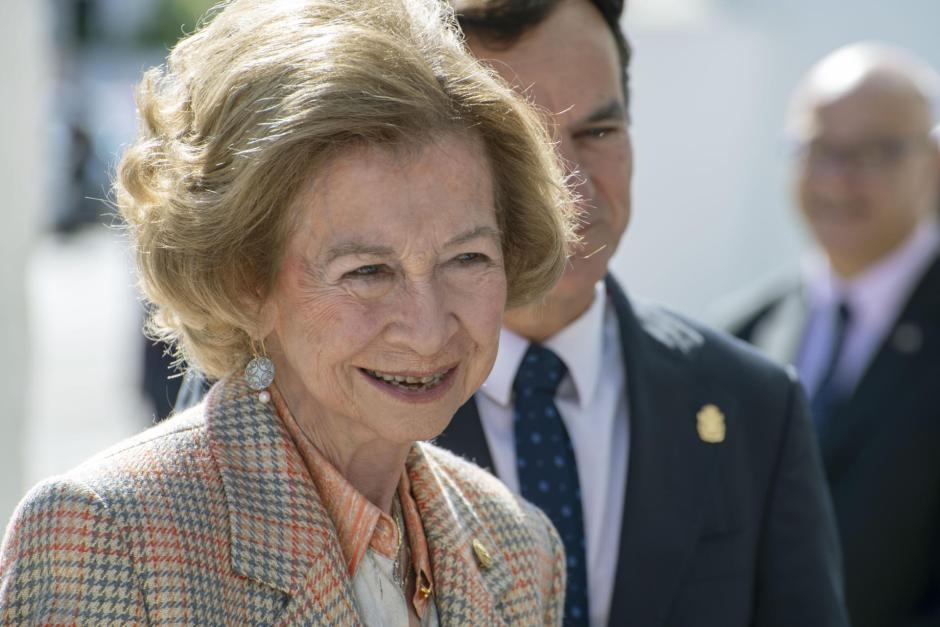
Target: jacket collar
<point>280,530</point>
<point>282,536</point>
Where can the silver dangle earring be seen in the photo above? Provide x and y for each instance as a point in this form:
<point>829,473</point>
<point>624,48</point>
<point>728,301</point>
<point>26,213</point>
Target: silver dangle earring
<point>259,373</point>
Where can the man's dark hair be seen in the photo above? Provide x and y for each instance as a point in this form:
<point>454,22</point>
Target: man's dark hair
<point>500,23</point>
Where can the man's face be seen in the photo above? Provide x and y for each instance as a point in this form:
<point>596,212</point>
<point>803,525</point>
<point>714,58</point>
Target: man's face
<point>568,65</point>
<point>867,175</point>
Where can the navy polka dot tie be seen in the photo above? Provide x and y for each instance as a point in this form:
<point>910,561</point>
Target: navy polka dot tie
<point>548,472</point>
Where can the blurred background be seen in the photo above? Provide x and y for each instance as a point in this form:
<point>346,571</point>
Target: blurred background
<point>711,81</point>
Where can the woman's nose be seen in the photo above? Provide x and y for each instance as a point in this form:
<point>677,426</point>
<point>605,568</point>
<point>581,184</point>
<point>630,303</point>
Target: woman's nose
<point>423,322</point>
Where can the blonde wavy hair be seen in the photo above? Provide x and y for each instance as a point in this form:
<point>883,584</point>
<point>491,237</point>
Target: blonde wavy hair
<point>264,93</point>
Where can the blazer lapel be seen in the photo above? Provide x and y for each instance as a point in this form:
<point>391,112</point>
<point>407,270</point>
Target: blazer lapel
<point>465,594</point>
<point>281,535</point>
<point>669,466</point>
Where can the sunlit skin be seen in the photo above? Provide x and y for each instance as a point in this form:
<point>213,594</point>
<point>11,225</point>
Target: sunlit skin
<point>869,172</point>
<point>568,65</point>
<point>395,267</point>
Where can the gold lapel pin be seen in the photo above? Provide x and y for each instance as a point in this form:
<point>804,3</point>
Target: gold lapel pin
<point>711,424</point>
<point>483,556</point>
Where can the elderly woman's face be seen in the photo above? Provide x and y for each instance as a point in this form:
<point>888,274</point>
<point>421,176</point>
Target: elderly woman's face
<point>386,313</point>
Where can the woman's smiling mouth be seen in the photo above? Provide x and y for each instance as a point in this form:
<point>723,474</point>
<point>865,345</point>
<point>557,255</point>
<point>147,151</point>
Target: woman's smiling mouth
<point>411,384</point>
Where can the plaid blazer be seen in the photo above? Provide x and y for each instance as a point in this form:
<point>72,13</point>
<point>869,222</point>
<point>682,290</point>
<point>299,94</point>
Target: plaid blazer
<point>211,518</point>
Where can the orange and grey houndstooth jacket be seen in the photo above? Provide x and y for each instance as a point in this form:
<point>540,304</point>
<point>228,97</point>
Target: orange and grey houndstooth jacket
<point>211,518</point>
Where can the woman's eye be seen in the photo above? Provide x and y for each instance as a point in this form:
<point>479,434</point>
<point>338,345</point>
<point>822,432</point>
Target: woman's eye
<point>470,258</point>
<point>370,271</point>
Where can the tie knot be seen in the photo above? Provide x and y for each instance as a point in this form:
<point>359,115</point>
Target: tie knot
<point>541,370</point>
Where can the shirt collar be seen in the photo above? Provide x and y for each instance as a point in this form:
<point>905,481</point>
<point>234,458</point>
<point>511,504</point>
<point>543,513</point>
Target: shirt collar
<point>875,295</point>
<point>579,345</point>
<point>360,524</point>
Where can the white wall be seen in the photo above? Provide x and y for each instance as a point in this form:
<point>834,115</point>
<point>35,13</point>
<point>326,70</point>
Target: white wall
<point>26,72</point>
<point>711,81</point>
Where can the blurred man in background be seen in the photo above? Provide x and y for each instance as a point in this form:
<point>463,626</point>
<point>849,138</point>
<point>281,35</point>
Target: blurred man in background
<point>863,324</point>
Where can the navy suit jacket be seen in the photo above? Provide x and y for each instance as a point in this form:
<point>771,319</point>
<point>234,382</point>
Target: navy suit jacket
<point>725,534</point>
<point>881,452</point>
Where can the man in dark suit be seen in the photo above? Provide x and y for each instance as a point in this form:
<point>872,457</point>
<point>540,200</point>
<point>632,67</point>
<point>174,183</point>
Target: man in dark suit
<point>678,465</point>
<point>863,323</point>
<point>700,486</point>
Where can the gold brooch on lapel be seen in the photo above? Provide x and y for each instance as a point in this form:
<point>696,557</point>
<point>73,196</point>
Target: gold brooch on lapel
<point>483,556</point>
<point>425,591</point>
<point>711,424</point>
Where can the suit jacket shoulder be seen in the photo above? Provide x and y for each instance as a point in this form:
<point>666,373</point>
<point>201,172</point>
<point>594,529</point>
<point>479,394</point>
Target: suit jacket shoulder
<point>758,397</point>
<point>713,358</point>
<point>131,527</point>
<point>742,312</point>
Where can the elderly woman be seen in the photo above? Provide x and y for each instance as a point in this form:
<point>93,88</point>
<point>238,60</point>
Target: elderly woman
<point>332,206</point>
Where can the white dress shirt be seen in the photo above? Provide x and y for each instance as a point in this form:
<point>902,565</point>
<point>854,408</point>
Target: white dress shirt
<point>875,299</point>
<point>592,401</point>
<point>380,600</point>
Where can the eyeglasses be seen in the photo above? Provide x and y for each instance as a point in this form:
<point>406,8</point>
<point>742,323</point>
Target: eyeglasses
<point>869,157</point>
